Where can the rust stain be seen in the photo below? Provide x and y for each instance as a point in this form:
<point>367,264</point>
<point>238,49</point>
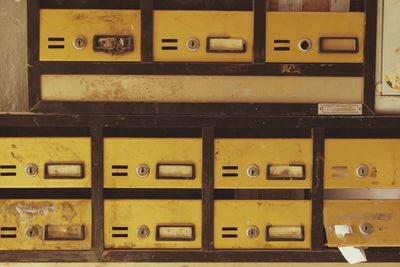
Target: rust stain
<point>397,50</point>
<point>68,212</point>
<point>290,68</point>
<point>80,16</point>
<point>373,172</point>
<point>366,216</point>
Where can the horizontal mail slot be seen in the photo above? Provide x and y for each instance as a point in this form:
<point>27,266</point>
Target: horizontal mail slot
<point>64,170</point>
<point>175,233</point>
<point>175,171</point>
<point>225,45</point>
<point>64,232</point>
<point>338,45</point>
<point>285,233</point>
<point>286,172</point>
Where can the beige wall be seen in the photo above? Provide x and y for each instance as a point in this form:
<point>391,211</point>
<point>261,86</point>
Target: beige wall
<point>13,56</point>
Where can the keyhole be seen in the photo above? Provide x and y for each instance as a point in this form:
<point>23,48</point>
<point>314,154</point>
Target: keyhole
<point>142,170</point>
<point>193,44</point>
<point>80,42</point>
<point>32,232</point>
<point>143,231</point>
<point>31,170</point>
<point>252,232</point>
<point>366,228</point>
<point>362,171</point>
<point>253,171</point>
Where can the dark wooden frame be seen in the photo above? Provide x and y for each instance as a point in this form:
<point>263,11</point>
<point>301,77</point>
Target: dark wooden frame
<point>208,127</point>
<point>147,66</point>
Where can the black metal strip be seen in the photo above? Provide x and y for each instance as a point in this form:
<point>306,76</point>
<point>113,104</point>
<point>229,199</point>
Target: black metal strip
<point>151,193</point>
<point>89,4</point>
<point>262,194</point>
<point>97,155</point>
<point>208,190</point>
<point>371,9</point>
<point>45,193</point>
<point>146,50</point>
<point>242,5</point>
<point>317,195</point>
<point>259,11</point>
<point>242,69</point>
<point>244,256</point>
<point>29,122</point>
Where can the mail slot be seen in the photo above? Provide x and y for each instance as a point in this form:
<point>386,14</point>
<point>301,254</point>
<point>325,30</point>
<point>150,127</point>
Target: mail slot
<point>64,170</point>
<point>338,45</point>
<point>64,232</point>
<point>286,172</point>
<point>175,233</point>
<point>285,233</point>
<point>175,171</point>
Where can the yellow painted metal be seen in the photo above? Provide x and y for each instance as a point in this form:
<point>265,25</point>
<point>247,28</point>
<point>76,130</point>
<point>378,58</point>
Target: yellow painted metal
<point>184,25</point>
<point>382,215</point>
<point>22,151</point>
<point>36,214</point>
<point>72,23</point>
<point>133,214</point>
<point>203,89</point>
<point>261,152</point>
<point>344,156</point>
<point>260,213</point>
<point>132,152</point>
<point>298,26</point>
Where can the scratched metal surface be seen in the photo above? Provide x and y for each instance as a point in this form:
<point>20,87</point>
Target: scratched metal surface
<point>13,56</point>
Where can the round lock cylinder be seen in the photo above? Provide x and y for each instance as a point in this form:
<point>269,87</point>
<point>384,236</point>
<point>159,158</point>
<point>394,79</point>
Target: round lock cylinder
<point>193,44</point>
<point>305,45</point>
<point>252,232</point>
<point>80,43</point>
<point>32,232</point>
<point>31,170</point>
<point>142,170</point>
<point>366,228</point>
<point>362,171</point>
<point>253,171</point>
<point>143,231</point>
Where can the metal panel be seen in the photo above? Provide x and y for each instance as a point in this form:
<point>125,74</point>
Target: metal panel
<point>235,158</point>
<point>132,224</point>
<point>362,163</point>
<point>182,35</point>
<point>59,29</point>
<point>23,161</point>
<point>132,162</point>
<point>202,89</point>
<point>373,223</point>
<point>23,224</point>
<point>287,30</point>
<point>235,218</point>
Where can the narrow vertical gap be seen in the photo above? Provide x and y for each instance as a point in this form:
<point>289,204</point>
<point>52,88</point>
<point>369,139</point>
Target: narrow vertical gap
<point>259,33</point>
<point>208,190</point>
<point>33,12</point>
<point>317,192</point>
<point>97,151</point>
<point>146,7</point>
<point>371,11</point>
